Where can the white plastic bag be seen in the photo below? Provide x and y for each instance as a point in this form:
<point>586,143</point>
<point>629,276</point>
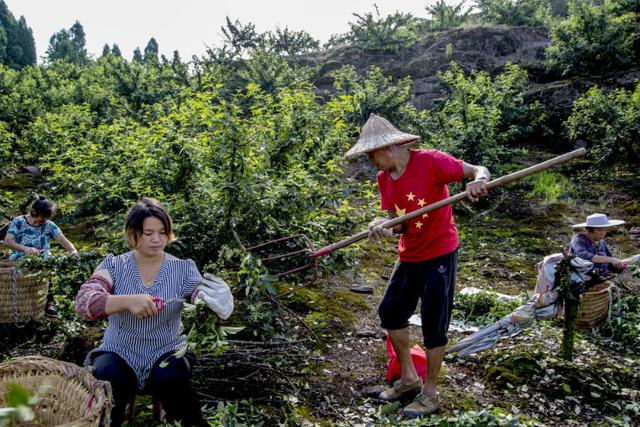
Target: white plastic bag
<point>216,294</point>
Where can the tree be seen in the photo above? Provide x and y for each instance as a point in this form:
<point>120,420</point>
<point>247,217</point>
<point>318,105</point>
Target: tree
<point>610,124</point>
<point>137,55</point>
<point>8,25</point>
<point>241,38</point>
<point>115,50</point>
<point>3,45</point>
<point>374,93</point>
<point>532,13</point>
<point>151,51</point>
<point>596,37</point>
<point>17,47</point>
<point>106,50</point>
<point>26,43</point>
<point>481,118</point>
<point>291,42</point>
<point>374,33</point>
<point>68,45</point>
<point>180,70</point>
<point>445,16</point>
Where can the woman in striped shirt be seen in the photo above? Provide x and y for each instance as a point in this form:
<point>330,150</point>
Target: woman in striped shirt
<point>137,352</point>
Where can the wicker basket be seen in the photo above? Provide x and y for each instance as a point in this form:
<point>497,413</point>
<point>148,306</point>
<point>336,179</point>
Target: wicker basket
<point>594,308</point>
<point>69,395</point>
<point>22,297</point>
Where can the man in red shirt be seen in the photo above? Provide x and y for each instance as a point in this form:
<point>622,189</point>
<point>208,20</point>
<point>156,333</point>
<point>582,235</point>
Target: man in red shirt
<point>427,251</point>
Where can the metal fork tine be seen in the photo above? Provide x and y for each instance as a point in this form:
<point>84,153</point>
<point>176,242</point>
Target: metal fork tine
<point>296,250</point>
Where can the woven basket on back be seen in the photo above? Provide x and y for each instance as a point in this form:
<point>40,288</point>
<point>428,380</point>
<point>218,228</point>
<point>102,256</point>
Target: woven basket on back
<point>69,395</point>
<point>22,296</point>
<point>593,309</point>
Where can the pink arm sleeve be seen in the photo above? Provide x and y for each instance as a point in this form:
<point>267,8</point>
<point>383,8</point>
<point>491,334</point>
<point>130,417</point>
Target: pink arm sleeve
<point>194,294</point>
<point>92,298</point>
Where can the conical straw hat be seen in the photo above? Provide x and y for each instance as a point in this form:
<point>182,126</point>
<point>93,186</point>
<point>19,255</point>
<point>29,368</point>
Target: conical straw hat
<point>377,133</point>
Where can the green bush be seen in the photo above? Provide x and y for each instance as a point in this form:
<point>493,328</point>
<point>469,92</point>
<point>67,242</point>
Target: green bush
<point>482,119</point>
<point>6,143</point>
<point>596,37</point>
<point>373,33</point>
<point>622,333</point>
<point>374,93</point>
<point>530,13</point>
<point>444,16</point>
<point>610,125</point>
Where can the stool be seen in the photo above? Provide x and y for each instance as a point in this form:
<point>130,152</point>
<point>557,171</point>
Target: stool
<point>157,410</point>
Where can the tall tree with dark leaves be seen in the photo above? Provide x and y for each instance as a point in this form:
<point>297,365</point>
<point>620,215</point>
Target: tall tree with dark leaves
<point>8,25</point>
<point>78,40</point>
<point>17,48</point>
<point>106,50</point>
<point>151,51</point>
<point>115,50</point>
<point>27,43</point>
<point>68,45</point>
<point>181,71</point>
<point>3,44</point>
<point>137,55</point>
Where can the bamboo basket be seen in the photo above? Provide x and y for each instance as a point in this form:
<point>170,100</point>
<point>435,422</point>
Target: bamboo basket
<point>22,296</point>
<point>593,309</point>
<point>70,396</point>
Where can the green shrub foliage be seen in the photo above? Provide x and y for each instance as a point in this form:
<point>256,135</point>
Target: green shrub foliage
<point>597,36</point>
<point>374,33</point>
<point>610,125</point>
<point>481,119</point>
<point>444,16</point>
<point>622,333</point>
<point>531,13</point>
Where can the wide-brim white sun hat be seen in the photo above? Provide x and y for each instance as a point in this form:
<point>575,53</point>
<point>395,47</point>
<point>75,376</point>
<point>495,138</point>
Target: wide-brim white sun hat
<point>598,220</point>
<point>378,133</point>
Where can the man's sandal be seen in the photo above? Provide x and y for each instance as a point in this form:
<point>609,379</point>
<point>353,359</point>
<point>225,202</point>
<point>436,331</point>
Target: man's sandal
<point>399,389</point>
<point>422,406</point>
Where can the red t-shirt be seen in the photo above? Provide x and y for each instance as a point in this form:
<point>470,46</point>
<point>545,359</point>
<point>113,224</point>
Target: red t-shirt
<point>424,181</point>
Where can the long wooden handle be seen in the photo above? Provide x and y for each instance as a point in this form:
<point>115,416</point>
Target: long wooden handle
<point>453,199</point>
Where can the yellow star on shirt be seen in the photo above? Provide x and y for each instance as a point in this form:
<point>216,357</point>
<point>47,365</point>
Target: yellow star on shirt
<point>426,215</point>
<point>411,196</point>
<point>421,202</point>
<point>418,225</point>
<point>400,212</point>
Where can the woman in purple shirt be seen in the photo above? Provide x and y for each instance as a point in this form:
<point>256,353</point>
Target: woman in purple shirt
<point>591,246</point>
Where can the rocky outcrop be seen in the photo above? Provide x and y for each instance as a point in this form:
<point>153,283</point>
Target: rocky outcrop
<point>557,97</point>
<point>477,48</point>
<point>481,48</point>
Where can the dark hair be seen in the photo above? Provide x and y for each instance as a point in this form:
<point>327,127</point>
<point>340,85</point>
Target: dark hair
<point>145,208</point>
<point>42,207</point>
<point>589,229</point>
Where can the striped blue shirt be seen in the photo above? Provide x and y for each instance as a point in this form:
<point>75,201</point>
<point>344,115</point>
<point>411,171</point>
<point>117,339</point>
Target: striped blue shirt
<point>140,342</point>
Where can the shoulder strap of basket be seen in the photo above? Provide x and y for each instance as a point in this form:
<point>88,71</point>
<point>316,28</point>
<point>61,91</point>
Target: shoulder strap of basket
<point>14,294</point>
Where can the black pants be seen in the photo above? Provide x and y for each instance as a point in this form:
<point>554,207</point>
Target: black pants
<point>168,384</point>
<point>433,282</point>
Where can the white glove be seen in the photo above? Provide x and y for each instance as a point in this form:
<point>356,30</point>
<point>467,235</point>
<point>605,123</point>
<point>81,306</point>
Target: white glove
<point>635,259</point>
<point>376,231</point>
<point>216,294</point>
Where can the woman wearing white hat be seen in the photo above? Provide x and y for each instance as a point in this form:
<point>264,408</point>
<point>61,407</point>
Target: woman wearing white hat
<point>591,246</point>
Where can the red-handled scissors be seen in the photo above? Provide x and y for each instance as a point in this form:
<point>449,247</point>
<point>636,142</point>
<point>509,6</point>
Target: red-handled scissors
<point>160,303</point>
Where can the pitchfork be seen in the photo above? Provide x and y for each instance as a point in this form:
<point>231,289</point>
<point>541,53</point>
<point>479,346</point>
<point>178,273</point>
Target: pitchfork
<point>300,254</point>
